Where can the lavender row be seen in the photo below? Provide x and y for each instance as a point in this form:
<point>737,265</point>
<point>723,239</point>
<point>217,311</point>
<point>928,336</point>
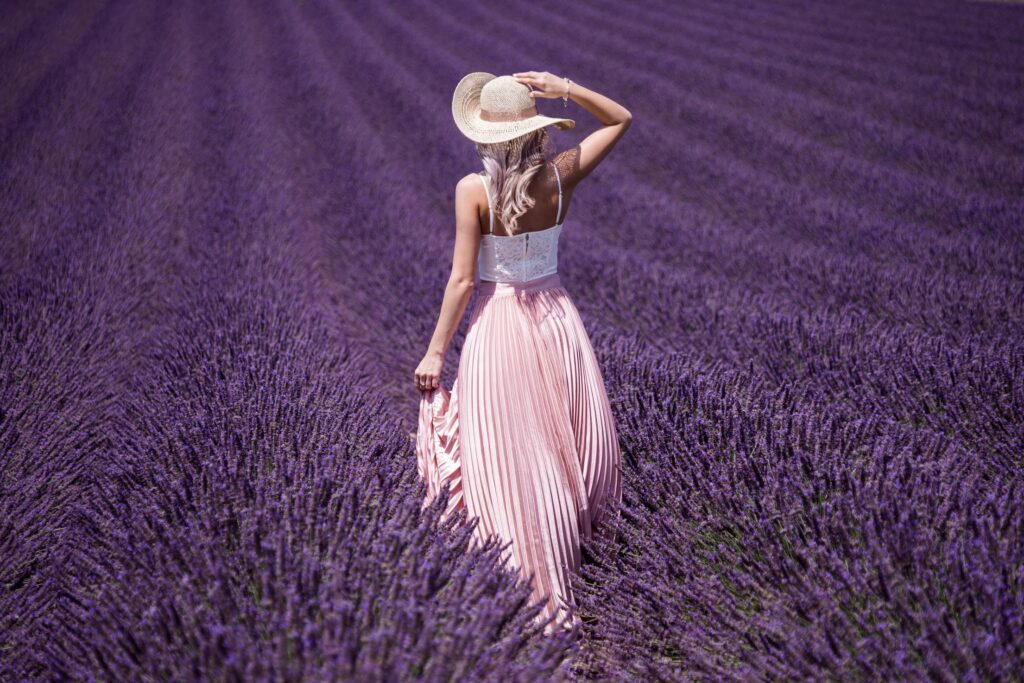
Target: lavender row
<point>69,338</point>
<point>835,110</point>
<point>907,46</point>
<point>767,537</point>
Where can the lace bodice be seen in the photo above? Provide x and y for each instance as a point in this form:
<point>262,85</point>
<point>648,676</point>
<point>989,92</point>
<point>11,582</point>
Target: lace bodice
<point>522,257</point>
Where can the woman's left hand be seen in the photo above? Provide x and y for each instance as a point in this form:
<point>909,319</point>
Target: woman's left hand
<point>546,84</point>
<point>428,373</point>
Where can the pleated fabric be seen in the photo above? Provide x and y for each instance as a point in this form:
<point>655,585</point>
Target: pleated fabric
<point>525,438</point>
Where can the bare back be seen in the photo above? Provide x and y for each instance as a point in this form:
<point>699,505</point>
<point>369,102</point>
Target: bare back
<point>542,215</point>
<point>574,164</point>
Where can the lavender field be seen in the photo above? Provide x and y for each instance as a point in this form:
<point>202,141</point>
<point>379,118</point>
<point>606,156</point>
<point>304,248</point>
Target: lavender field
<point>225,230</point>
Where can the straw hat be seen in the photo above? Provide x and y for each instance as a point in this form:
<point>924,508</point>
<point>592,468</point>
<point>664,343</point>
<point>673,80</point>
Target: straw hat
<point>489,108</point>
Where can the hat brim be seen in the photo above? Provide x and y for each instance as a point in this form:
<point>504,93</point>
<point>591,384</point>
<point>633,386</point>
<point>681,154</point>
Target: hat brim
<point>466,112</point>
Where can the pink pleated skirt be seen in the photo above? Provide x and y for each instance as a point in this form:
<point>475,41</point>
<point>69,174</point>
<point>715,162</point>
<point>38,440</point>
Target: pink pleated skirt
<point>525,438</point>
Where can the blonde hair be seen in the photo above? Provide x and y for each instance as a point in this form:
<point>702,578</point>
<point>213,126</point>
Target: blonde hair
<point>510,167</point>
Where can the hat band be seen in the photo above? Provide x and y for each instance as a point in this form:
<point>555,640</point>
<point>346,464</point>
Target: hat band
<point>493,116</point>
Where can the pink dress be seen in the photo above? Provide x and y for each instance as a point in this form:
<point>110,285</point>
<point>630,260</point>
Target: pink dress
<point>525,438</point>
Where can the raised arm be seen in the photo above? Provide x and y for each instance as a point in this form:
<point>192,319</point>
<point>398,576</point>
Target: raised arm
<point>468,197</point>
<point>615,120</point>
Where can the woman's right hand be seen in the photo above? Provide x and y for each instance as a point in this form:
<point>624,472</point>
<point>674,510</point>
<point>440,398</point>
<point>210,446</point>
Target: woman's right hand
<point>428,372</point>
<point>547,84</point>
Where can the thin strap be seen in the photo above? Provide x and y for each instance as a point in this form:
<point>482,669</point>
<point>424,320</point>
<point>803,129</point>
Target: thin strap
<point>490,207</point>
<point>558,215</point>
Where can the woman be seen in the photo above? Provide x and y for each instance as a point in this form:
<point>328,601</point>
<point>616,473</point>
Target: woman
<point>525,438</point>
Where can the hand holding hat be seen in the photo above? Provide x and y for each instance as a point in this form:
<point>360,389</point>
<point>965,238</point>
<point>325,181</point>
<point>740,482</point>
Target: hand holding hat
<point>489,108</point>
<point>547,84</point>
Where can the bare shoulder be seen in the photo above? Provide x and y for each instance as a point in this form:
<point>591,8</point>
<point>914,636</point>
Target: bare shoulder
<point>469,194</point>
<point>468,182</point>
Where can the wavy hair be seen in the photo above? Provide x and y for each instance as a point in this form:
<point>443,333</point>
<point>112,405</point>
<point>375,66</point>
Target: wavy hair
<point>510,167</point>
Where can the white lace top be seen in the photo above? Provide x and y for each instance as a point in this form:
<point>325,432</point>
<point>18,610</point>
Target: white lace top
<point>522,257</point>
